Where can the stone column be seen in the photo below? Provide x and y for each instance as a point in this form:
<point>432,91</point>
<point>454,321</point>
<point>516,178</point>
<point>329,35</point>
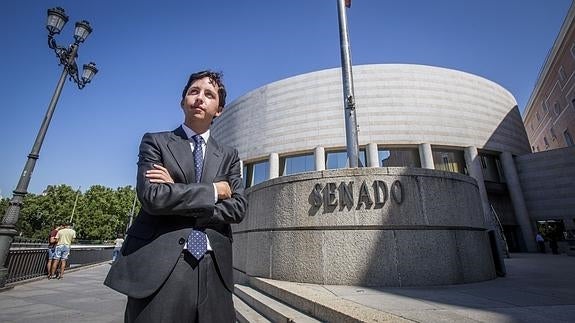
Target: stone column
<point>474,168</point>
<point>425,156</point>
<point>319,154</point>
<point>274,165</point>
<point>516,195</point>
<point>372,155</point>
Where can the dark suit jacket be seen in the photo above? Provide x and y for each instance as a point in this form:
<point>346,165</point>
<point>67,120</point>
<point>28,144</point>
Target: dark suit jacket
<point>170,211</point>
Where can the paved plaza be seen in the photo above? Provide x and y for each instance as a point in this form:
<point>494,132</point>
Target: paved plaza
<point>538,288</point>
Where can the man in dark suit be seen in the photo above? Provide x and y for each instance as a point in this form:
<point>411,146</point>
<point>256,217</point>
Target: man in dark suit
<point>176,262</point>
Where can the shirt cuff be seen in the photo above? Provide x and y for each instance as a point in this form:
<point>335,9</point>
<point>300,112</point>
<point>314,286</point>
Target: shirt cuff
<point>215,193</point>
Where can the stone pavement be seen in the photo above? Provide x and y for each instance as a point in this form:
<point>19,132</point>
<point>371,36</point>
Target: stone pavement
<point>538,288</point>
<point>79,296</point>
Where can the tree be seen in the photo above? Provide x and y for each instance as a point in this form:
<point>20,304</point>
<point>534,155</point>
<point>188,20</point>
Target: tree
<point>4,205</point>
<point>101,213</point>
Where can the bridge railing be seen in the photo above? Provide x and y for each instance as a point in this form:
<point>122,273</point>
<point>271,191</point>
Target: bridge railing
<point>27,262</point>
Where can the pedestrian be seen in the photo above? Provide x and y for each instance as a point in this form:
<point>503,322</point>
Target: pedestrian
<point>65,236</point>
<point>540,242</point>
<point>176,262</point>
<point>51,251</point>
<point>553,245</point>
<point>117,246</point>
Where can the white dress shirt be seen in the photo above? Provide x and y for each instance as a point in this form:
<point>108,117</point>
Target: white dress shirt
<point>206,135</point>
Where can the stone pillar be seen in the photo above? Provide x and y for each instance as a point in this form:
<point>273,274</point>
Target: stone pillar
<point>474,168</point>
<point>274,165</point>
<point>372,155</point>
<point>425,156</point>
<point>319,154</point>
<point>516,195</point>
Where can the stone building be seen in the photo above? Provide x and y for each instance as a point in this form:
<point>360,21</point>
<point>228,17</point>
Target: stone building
<point>550,113</point>
<point>548,175</point>
<point>408,116</point>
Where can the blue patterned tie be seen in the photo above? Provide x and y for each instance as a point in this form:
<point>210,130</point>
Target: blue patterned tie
<point>198,156</point>
<point>197,240</point>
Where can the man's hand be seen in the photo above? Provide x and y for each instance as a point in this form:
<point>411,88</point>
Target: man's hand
<point>159,175</point>
<point>224,190</point>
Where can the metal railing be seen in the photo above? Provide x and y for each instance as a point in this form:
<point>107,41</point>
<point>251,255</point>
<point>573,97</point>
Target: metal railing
<point>30,262</point>
<point>500,232</point>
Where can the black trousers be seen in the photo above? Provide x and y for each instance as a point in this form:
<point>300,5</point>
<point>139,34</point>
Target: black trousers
<point>194,292</point>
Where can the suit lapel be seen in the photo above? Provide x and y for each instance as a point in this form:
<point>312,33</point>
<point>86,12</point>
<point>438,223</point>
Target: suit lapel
<point>212,161</point>
<point>182,152</point>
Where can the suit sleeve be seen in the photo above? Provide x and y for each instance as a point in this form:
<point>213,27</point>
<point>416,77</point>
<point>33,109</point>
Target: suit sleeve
<point>230,210</point>
<point>170,198</point>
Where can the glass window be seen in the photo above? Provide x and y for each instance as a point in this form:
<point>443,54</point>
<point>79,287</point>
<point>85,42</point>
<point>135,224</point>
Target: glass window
<point>553,229</point>
<point>399,157</point>
<point>261,172</point>
<point>449,160</point>
<point>245,176</point>
<point>297,164</point>
<point>338,159</point>
<point>568,138</point>
<point>491,169</point>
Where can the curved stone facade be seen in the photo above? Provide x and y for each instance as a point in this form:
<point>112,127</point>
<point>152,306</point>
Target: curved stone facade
<point>408,115</point>
<point>368,226</point>
<point>396,105</point>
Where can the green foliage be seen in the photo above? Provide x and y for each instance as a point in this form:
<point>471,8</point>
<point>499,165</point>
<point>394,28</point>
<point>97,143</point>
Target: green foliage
<point>4,205</point>
<point>100,213</point>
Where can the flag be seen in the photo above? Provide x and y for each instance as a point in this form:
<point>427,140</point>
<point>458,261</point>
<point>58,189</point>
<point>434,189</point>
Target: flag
<point>348,3</point>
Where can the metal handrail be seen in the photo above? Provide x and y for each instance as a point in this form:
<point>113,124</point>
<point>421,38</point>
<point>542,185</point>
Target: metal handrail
<point>501,231</point>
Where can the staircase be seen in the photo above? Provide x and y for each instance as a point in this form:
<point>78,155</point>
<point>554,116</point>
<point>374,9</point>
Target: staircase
<point>267,300</point>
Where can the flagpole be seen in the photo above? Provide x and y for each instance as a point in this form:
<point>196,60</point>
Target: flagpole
<point>348,95</point>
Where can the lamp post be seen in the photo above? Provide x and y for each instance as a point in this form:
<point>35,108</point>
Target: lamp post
<point>57,18</point>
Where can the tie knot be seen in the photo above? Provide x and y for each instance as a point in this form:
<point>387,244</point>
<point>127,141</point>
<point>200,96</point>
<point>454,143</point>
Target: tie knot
<point>198,140</point>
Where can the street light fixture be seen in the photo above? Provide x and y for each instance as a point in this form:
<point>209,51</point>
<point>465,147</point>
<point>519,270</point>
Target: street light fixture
<point>57,18</point>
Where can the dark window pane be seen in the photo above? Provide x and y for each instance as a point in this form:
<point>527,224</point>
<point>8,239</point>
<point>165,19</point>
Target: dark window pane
<point>261,172</point>
<point>399,157</point>
<point>298,164</point>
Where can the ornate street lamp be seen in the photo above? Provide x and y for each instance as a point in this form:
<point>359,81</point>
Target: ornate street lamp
<point>57,18</point>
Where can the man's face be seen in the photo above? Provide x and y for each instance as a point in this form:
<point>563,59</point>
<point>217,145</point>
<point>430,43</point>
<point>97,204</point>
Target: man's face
<point>201,102</point>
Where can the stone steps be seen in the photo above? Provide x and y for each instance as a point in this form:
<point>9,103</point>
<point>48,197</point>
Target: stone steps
<point>246,314</point>
<point>254,306</point>
<point>318,302</point>
<point>266,300</point>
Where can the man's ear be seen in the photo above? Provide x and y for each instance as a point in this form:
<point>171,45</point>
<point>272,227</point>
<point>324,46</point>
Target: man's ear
<point>182,103</point>
<point>220,110</point>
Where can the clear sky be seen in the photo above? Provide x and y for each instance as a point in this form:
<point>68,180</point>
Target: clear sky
<point>145,51</point>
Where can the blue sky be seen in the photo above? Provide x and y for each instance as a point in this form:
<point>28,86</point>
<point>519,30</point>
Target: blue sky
<point>145,51</point>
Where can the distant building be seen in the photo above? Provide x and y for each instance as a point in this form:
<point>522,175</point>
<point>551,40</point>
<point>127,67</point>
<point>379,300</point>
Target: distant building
<point>549,116</point>
<point>548,175</point>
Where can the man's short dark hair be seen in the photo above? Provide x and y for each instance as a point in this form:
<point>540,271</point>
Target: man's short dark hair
<point>216,77</point>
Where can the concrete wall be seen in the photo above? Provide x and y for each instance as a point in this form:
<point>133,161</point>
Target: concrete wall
<point>548,182</point>
<point>420,227</point>
<point>396,105</point>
